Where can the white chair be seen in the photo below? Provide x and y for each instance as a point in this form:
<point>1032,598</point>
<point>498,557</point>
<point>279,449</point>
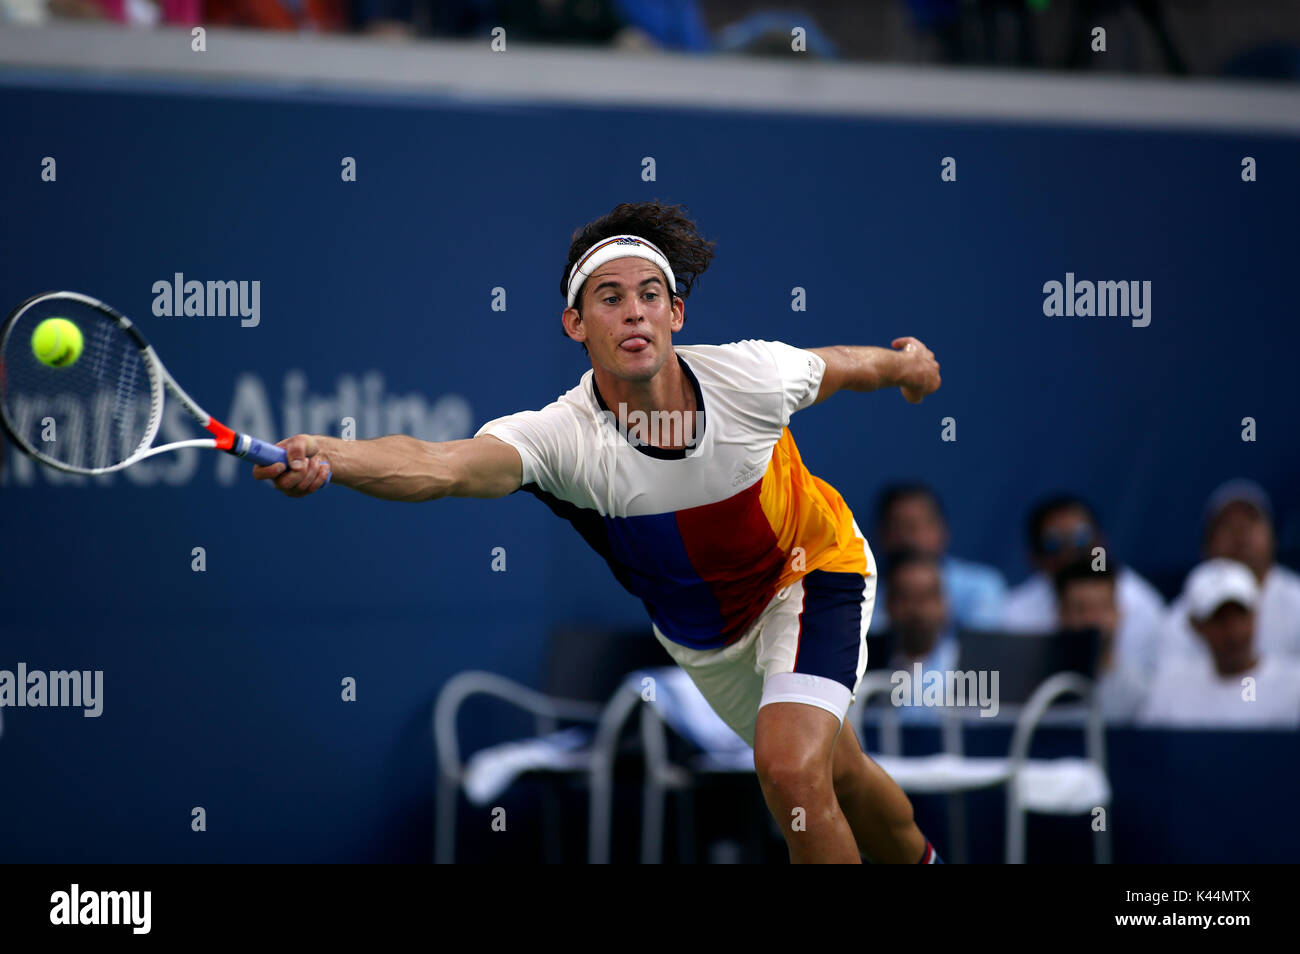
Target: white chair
<point>452,772</point>
<point>584,665</point>
<point>675,704</point>
<point>1048,786</point>
<point>1062,786</point>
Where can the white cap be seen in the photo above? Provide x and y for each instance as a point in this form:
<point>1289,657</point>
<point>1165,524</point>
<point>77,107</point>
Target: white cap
<point>1216,582</point>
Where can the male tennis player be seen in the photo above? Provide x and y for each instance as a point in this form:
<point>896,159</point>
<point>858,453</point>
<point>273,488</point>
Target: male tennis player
<point>677,466</point>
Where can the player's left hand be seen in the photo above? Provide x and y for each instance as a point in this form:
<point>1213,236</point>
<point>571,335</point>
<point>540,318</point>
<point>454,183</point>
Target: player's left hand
<point>921,374</point>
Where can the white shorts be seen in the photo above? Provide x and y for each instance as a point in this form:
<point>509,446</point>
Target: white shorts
<point>809,645</point>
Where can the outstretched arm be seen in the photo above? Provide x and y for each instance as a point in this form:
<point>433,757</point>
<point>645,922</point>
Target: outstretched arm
<point>398,467</point>
<point>911,367</point>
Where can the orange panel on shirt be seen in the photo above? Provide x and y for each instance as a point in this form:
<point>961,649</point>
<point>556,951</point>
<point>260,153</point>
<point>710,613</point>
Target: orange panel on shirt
<point>807,512</point>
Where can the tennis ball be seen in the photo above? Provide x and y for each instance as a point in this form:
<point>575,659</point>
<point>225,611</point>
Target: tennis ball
<point>57,342</point>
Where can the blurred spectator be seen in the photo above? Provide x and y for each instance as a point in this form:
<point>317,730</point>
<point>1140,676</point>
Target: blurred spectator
<point>132,12</point>
<point>922,630</point>
<point>1239,526</point>
<point>910,517</point>
<point>670,24</point>
<point>673,24</point>
<point>1236,686</point>
<point>445,18</point>
<point>771,33</point>
<point>997,32</point>
<point>559,21</point>
<point>1062,530</point>
<point>1087,599</point>
<point>324,16</point>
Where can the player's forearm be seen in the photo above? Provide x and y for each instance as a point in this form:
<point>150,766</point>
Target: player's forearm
<point>868,368</point>
<point>396,467</point>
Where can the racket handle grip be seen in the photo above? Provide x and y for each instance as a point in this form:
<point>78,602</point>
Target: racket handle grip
<point>260,452</point>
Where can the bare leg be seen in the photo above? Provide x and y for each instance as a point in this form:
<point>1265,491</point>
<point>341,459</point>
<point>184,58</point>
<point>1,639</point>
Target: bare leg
<point>877,810</point>
<point>793,747</point>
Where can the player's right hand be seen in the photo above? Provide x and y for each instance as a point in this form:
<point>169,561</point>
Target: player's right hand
<point>922,376</point>
<point>307,470</point>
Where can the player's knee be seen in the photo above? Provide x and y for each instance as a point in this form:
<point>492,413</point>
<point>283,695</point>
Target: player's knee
<point>791,778</point>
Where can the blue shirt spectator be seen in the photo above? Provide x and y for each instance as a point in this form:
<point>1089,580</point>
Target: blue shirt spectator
<point>923,633</point>
<point>941,660</point>
<point>975,592</point>
<point>909,516</point>
<point>672,24</point>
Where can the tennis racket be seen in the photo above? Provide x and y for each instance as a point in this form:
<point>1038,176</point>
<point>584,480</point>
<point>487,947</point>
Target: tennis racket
<point>100,412</point>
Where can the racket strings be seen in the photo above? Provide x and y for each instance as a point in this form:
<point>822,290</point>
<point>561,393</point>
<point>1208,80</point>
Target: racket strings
<point>124,404</point>
<point>89,415</point>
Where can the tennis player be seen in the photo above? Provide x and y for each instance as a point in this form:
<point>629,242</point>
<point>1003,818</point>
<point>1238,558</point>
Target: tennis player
<point>676,464</point>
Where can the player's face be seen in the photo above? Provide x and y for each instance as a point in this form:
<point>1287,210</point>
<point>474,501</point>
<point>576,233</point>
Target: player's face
<point>628,318</point>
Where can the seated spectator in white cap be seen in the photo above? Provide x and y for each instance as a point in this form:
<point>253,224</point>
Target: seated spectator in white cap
<point>909,516</point>
<point>1237,686</point>
<point>1239,526</point>
<point>1062,530</point>
<point>1087,600</point>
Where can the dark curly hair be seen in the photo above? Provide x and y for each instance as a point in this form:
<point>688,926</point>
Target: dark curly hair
<point>667,226</point>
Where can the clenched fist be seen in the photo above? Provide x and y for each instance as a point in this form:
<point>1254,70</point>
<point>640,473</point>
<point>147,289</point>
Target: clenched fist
<point>921,374</point>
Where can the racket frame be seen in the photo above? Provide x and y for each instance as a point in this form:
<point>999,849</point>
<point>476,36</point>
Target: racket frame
<point>223,438</point>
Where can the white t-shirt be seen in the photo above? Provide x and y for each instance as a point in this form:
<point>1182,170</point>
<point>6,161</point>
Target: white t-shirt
<point>1189,693</point>
<point>1031,608</point>
<point>707,535</point>
<point>1277,621</point>
<point>1121,693</point>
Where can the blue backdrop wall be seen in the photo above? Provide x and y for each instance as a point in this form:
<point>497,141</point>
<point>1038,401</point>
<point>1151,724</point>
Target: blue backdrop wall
<point>222,687</point>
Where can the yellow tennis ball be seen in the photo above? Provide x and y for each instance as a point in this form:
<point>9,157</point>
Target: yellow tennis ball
<point>57,342</point>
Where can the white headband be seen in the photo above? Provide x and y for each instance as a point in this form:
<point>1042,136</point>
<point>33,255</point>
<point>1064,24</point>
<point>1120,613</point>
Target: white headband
<point>616,246</point>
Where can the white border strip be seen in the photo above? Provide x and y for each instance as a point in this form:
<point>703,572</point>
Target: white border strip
<point>469,70</point>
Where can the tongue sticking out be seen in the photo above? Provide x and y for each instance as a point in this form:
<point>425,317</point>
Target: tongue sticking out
<point>635,344</point>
